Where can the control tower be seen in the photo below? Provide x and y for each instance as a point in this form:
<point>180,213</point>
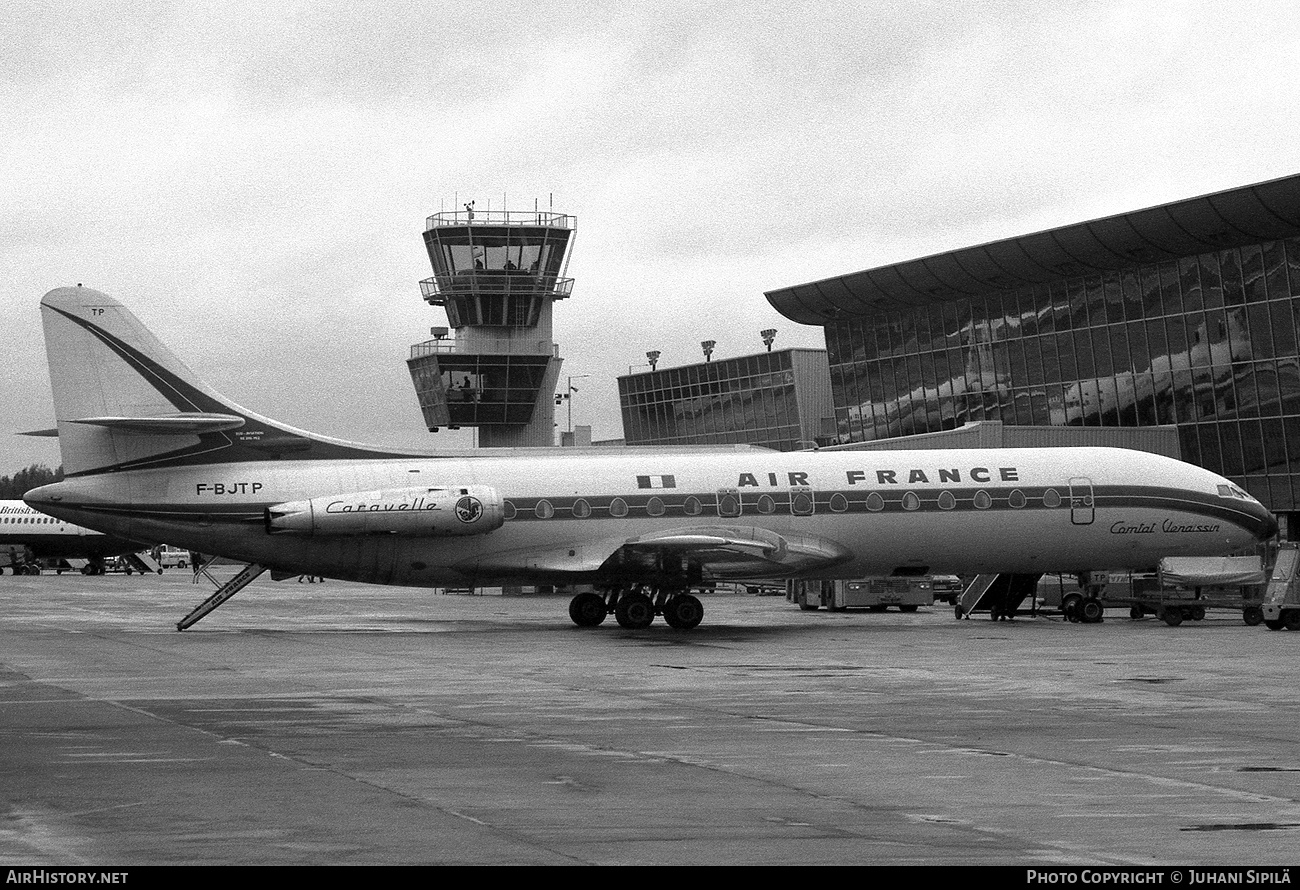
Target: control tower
<point>496,273</point>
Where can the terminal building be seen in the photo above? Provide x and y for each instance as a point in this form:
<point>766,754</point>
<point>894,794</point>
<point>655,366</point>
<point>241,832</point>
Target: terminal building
<point>497,275</point>
<point>780,400</point>
<point>1185,315</point>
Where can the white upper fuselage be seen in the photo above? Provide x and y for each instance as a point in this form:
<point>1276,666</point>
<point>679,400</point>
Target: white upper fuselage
<point>961,511</point>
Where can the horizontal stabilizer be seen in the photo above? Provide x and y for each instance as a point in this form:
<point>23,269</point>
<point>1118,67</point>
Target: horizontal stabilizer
<point>180,423</point>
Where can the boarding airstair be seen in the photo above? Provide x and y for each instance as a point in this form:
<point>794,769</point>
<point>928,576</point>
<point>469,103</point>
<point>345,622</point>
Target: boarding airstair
<point>1001,594</point>
<point>143,563</point>
<point>245,577</point>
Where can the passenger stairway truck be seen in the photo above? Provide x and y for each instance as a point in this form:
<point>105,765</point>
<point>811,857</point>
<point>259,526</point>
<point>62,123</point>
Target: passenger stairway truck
<point>1281,606</point>
<point>907,594</point>
<point>143,563</point>
<point>1000,594</point>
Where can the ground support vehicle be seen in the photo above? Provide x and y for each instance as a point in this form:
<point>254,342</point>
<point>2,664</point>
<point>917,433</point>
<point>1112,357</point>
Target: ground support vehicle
<point>1280,609</point>
<point>873,594</point>
<point>1180,591</point>
<point>172,557</point>
<point>1188,586</point>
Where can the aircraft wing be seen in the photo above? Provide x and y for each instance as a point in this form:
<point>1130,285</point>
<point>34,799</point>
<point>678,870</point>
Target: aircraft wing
<point>735,551</point>
<point>740,551</point>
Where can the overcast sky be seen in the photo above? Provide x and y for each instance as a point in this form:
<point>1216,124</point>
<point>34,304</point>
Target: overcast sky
<point>252,179</point>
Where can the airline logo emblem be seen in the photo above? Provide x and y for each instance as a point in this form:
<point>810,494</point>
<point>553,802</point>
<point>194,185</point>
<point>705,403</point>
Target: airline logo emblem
<point>656,481</point>
<point>469,509</point>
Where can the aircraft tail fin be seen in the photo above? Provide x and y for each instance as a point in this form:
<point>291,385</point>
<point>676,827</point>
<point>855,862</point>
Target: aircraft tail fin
<point>123,400</point>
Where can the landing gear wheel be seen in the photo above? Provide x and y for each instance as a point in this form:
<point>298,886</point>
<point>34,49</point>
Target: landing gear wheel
<point>588,609</point>
<point>1173,617</point>
<point>634,611</point>
<point>684,612</point>
<point>1090,610</point>
<point>1252,615</point>
<point>1070,606</point>
<point>1198,613</point>
<point>908,608</point>
<point>1135,612</point>
<point>1291,619</point>
<point>1273,624</point>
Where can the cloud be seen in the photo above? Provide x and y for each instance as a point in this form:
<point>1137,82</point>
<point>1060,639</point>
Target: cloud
<point>253,180</point>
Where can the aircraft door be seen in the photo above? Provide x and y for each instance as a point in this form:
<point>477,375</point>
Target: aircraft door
<point>1082,509</point>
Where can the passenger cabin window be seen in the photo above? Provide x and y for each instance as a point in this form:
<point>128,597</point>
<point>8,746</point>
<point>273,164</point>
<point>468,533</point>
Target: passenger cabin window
<point>1016,498</point>
<point>875,503</point>
<point>801,501</point>
<point>544,510</point>
<point>911,501</point>
<point>692,506</point>
<point>510,511</point>
<point>728,502</point>
<point>581,509</point>
<point>766,504</point>
<point>655,506</point>
<point>839,503</point>
<point>1051,498</point>
<point>946,500</point>
<point>982,500</point>
<point>618,508</point>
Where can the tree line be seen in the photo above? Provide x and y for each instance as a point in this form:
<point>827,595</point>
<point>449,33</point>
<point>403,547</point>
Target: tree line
<point>13,487</point>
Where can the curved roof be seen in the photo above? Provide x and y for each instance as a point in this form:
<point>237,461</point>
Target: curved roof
<point>1232,218</point>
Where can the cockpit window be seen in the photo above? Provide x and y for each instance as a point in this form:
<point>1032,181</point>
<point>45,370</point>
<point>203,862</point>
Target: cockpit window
<point>1232,491</point>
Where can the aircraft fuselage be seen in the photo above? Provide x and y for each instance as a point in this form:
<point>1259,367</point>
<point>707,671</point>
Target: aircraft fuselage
<point>859,513</point>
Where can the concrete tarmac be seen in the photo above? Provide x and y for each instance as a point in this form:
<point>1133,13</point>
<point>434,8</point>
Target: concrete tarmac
<point>343,724</point>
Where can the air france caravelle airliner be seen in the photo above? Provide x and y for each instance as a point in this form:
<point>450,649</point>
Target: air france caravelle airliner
<point>151,452</point>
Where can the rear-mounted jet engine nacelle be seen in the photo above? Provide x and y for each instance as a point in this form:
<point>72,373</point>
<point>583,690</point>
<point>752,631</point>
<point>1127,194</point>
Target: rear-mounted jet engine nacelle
<point>454,510</point>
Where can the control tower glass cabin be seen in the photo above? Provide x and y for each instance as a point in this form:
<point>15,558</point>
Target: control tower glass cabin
<point>496,274</point>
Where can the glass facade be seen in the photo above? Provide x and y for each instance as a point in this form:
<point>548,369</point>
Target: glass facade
<point>1206,342</point>
<point>749,400</point>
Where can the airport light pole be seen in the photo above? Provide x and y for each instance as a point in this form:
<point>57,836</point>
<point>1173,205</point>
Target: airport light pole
<point>568,395</point>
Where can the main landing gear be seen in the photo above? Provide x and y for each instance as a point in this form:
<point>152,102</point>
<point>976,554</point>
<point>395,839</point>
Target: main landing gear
<point>635,608</point>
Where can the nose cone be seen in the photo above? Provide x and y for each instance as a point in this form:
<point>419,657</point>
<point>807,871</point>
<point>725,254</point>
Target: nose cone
<point>1263,524</point>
